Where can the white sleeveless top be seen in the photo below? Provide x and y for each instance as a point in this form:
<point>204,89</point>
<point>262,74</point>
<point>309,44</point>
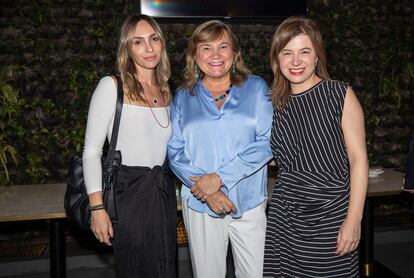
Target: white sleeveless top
<point>141,140</point>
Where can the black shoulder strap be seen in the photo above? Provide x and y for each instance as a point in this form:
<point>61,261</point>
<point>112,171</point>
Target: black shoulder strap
<point>117,119</point>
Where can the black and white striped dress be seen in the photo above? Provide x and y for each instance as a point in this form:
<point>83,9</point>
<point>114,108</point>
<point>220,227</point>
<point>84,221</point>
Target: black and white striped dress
<point>310,198</point>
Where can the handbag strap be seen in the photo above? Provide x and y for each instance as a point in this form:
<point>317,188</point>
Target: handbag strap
<point>115,129</point>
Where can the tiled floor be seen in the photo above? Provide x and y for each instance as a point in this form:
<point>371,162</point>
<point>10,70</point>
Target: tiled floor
<point>89,266</point>
<point>394,250</point>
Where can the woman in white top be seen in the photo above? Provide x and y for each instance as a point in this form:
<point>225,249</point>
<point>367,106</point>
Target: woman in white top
<point>144,235</point>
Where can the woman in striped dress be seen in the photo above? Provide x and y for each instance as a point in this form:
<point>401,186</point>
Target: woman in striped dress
<point>318,141</point>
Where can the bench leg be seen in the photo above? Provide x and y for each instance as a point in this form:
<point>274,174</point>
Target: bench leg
<point>57,249</point>
<point>367,242</point>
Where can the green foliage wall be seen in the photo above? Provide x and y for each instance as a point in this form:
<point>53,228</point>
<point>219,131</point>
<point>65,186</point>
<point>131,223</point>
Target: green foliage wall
<point>53,53</point>
<point>370,44</point>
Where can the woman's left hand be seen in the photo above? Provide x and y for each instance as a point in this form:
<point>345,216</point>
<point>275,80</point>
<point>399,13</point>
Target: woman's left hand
<point>205,185</point>
<point>348,237</point>
<point>220,204</point>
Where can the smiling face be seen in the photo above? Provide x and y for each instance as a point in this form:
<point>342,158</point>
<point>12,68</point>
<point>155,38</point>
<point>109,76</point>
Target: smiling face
<point>215,58</point>
<point>297,62</point>
<point>146,46</point>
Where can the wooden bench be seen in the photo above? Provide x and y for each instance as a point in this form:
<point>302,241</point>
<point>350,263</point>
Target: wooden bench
<point>384,185</point>
<point>39,202</point>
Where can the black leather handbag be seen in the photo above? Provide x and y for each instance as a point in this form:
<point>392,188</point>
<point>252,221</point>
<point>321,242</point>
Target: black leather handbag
<point>76,197</point>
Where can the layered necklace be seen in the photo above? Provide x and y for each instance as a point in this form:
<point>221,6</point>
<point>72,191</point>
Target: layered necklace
<point>155,101</point>
<point>221,97</point>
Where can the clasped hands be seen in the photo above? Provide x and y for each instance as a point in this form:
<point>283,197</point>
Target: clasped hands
<point>207,189</point>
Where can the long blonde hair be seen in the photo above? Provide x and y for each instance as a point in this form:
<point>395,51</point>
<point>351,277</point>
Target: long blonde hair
<point>125,63</point>
<point>208,32</point>
<point>287,30</point>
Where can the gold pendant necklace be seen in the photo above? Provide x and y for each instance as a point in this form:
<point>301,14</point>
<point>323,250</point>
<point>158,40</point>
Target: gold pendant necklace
<point>153,114</point>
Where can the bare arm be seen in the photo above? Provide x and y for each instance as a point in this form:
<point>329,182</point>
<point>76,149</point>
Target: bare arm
<point>353,128</point>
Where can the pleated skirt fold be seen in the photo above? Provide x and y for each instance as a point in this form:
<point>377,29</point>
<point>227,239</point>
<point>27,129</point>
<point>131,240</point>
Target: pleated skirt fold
<point>145,233</point>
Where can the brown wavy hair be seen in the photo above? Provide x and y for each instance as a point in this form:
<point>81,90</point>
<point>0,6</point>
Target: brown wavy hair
<point>287,30</point>
<point>208,32</point>
<point>125,63</point>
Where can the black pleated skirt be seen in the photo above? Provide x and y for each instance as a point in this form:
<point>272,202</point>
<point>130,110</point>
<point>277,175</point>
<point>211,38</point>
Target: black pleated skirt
<point>145,233</point>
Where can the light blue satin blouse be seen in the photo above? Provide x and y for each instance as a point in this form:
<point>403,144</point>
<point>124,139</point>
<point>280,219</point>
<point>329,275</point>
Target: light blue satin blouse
<point>232,142</point>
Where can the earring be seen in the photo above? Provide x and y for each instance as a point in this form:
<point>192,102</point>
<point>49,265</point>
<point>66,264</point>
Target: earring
<point>196,75</point>
<point>233,69</point>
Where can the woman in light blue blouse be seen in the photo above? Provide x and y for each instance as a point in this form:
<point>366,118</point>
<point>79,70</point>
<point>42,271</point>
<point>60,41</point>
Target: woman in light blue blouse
<point>221,120</point>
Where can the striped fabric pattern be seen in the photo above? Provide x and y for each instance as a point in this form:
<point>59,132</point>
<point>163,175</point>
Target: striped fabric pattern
<point>310,198</point>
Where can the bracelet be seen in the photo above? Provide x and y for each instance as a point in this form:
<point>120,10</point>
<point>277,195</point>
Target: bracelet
<point>96,207</point>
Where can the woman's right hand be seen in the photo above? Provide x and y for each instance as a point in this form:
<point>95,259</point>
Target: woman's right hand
<point>101,226</point>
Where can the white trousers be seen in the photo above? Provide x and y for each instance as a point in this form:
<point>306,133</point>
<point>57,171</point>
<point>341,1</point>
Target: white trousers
<point>208,239</point>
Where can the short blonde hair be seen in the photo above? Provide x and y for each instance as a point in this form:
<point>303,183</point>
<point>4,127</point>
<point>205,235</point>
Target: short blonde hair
<point>208,32</point>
